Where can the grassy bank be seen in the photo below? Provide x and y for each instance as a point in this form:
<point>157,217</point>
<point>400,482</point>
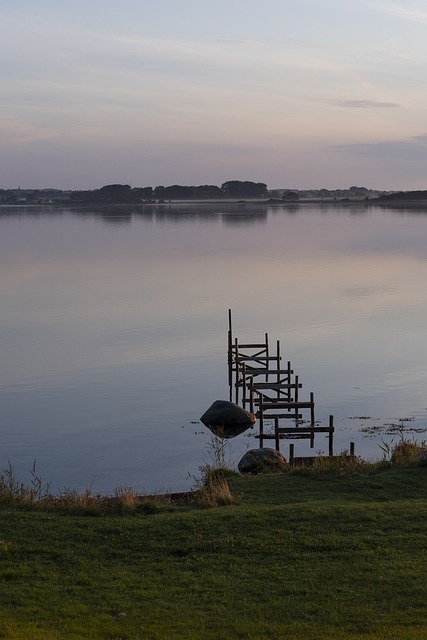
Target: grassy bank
<point>307,554</point>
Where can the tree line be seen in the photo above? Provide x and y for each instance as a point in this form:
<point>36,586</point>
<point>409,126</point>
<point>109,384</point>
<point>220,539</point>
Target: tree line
<point>124,193</point>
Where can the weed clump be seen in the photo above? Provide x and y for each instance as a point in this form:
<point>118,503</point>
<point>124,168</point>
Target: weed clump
<point>13,491</point>
<point>212,488</point>
<point>215,492</point>
<point>405,452</point>
<point>408,452</point>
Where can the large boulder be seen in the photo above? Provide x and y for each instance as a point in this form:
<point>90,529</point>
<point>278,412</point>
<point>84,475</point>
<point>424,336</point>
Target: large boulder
<point>262,461</point>
<point>226,419</point>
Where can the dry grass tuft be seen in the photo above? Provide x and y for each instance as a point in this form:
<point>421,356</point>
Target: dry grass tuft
<point>38,495</point>
<point>212,488</point>
<point>215,493</point>
<point>408,452</point>
<point>12,490</point>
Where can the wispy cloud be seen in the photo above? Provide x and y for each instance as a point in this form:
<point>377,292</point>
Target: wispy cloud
<point>414,148</point>
<point>404,11</point>
<point>366,104</point>
<point>15,130</point>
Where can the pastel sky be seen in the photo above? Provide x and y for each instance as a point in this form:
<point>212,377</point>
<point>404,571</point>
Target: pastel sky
<point>294,93</point>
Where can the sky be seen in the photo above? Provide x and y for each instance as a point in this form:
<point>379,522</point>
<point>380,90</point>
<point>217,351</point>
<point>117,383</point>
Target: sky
<point>294,93</point>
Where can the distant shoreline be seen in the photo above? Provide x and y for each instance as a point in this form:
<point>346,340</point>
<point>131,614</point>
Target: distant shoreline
<point>270,202</point>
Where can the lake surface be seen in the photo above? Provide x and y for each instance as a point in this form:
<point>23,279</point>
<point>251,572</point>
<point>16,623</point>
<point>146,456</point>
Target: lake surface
<point>113,331</point>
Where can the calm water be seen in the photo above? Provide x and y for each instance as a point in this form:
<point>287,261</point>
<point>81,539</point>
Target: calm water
<point>113,331</point>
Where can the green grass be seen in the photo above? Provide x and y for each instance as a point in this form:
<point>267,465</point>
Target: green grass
<point>306,554</point>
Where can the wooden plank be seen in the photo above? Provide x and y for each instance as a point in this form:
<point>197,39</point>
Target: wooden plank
<point>284,416</point>
<point>256,358</point>
<point>276,385</point>
<point>274,436</point>
<point>258,371</point>
<point>255,345</point>
<point>272,386</point>
<point>286,405</point>
<point>305,429</point>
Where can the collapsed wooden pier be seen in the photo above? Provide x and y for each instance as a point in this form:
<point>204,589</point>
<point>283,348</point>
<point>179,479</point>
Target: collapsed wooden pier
<point>267,387</point>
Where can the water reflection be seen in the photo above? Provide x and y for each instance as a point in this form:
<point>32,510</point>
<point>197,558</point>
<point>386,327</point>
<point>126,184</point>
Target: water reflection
<point>239,213</point>
<point>229,214</point>
<point>113,335</point>
<point>244,218</point>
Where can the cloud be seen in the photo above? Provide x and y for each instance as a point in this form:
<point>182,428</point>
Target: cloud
<point>413,14</point>
<point>366,104</point>
<point>414,148</point>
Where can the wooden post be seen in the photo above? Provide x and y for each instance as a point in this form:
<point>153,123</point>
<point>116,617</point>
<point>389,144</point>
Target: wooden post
<point>312,408</point>
<point>230,355</point>
<point>296,400</point>
<point>331,436</point>
<point>352,448</point>
<point>278,368</point>
<point>267,353</point>
<point>276,433</point>
<point>291,454</point>
<point>244,386</point>
<point>236,378</point>
<point>261,422</point>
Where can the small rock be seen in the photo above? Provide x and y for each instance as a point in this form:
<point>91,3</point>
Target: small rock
<point>262,461</point>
